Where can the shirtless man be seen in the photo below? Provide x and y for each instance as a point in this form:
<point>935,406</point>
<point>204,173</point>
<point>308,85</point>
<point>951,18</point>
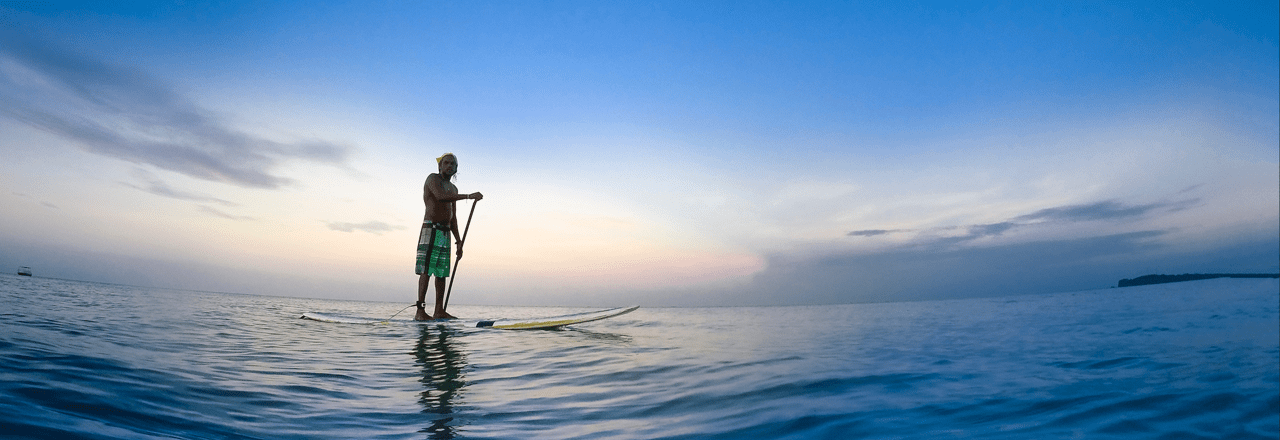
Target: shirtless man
<point>433,241</point>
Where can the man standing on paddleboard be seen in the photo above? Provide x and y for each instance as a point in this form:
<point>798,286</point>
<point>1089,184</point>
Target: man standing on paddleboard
<point>441,219</point>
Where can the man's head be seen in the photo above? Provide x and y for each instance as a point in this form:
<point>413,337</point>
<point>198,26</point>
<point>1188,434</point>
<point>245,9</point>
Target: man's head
<point>448,164</point>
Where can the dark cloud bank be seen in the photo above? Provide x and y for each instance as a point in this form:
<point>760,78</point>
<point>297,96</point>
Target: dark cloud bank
<point>919,273</point>
<point>933,267</point>
<point>124,114</point>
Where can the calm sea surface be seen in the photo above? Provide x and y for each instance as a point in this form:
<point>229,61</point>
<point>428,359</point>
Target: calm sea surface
<point>1185,360</point>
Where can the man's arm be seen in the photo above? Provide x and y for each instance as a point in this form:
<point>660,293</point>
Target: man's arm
<point>453,226</point>
<point>435,187</point>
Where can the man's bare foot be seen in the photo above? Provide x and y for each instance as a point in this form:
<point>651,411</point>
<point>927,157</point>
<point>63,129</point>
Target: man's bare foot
<point>444,315</point>
<point>421,315</point>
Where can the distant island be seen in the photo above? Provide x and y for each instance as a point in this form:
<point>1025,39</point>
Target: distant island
<point>1161,279</point>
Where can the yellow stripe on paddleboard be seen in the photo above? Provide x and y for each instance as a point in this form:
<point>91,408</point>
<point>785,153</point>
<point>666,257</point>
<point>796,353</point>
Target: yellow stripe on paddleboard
<point>556,321</point>
<point>536,324</point>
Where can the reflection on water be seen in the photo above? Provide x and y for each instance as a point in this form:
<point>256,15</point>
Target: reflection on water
<point>1184,360</point>
<point>595,335</point>
<point>439,353</point>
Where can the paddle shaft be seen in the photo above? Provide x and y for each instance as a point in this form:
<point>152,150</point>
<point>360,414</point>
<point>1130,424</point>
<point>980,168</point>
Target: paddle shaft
<point>454,274</point>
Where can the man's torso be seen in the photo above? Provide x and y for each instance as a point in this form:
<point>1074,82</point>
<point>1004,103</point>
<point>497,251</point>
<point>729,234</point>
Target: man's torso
<point>438,211</point>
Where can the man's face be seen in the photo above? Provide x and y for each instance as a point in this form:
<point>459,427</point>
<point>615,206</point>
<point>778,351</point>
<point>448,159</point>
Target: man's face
<point>448,165</point>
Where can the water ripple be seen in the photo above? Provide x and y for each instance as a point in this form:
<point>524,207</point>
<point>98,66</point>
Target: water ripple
<point>83,360</point>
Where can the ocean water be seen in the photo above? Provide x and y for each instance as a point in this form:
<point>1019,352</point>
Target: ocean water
<point>1186,360</point>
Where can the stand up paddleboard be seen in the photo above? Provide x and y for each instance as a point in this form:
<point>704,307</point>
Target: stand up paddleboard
<point>509,324</point>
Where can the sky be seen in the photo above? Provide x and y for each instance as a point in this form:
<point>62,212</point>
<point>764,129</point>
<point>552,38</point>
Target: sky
<point>654,153</point>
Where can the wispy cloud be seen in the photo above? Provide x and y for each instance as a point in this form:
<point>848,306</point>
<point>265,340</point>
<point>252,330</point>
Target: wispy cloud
<point>876,232</point>
<point>219,213</point>
<point>160,188</point>
<point>1109,210</point>
<point>372,227</point>
<point>42,203</point>
<point>125,114</point>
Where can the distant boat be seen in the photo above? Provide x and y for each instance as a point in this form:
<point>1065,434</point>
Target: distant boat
<point>24,271</point>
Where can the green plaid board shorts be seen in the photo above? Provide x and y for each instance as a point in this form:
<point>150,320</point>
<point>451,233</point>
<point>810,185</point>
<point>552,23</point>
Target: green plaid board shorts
<point>433,250</point>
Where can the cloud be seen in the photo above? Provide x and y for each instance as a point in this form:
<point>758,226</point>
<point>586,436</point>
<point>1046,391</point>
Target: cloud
<point>124,114</point>
<point>993,229</point>
<point>218,213</point>
<point>920,273</point>
<point>1109,210</point>
<point>42,203</point>
<point>1058,249</point>
<point>372,227</point>
<point>876,232</point>
<point>160,188</point>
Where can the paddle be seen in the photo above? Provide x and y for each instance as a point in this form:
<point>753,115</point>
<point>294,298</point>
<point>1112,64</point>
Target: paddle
<point>453,275</point>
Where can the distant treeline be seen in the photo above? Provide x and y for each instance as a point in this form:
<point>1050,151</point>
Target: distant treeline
<point>1160,279</point>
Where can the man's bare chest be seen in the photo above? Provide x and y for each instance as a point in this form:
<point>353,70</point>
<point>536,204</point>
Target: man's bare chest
<point>448,188</point>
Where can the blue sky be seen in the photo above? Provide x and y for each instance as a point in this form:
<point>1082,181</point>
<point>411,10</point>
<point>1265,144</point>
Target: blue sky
<point>658,153</point>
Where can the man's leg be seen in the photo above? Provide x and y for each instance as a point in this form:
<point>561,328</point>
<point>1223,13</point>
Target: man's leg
<point>421,315</point>
<point>439,312</point>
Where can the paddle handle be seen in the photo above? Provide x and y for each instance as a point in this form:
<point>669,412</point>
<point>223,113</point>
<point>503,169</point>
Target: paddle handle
<point>454,274</point>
